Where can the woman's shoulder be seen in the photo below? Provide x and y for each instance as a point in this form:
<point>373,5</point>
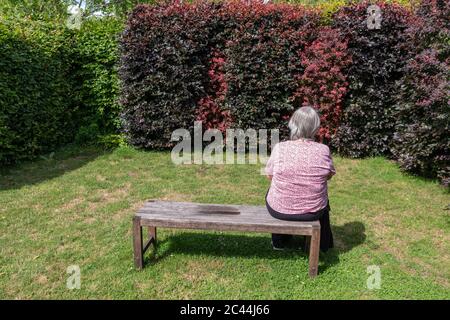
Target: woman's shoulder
<point>322,149</point>
<point>309,146</point>
<point>312,144</point>
<point>284,145</point>
<point>321,146</point>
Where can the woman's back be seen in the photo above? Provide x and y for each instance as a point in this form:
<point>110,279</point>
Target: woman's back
<point>300,170</point>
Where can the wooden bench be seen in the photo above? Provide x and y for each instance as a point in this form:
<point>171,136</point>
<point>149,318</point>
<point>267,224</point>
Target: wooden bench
<point>186,215</point>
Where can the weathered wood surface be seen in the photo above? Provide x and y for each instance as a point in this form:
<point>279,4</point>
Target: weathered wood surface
<point>189,215</point>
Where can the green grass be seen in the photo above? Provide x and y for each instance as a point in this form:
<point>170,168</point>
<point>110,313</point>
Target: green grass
<point>76,209</point>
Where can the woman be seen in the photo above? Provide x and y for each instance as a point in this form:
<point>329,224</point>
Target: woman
<point>299,170</point>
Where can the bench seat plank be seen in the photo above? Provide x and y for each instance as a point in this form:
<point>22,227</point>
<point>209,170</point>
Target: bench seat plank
<point>188,215</point>
<point>219,217</point>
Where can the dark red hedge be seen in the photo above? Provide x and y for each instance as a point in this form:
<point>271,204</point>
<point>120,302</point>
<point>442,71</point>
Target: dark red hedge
<point>422,112</point>
<point>165,51</point>
<point>231,64</point>
<point>367,125</point>
<point>323,84</point>
<point>249,65</point>
<point>262,62</point>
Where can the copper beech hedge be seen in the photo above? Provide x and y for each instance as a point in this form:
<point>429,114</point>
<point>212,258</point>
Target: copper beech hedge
<point>249,65</point>
<point>230,64</point>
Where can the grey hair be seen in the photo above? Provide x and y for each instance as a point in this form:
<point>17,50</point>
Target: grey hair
<point>304,123</point>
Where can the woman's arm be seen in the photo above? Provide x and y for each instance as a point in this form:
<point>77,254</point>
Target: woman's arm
<point>331,165</point>
<point>271,163</point>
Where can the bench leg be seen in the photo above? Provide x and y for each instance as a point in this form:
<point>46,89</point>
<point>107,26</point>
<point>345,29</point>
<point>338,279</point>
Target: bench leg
<point>137,243</point>
<point>307,243</point>
<point>314,249</point>
<point>152,234</point>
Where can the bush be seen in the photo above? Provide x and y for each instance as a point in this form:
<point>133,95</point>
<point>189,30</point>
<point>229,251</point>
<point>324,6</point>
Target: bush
<point>94,70</point>
<point>36,105</point>
<point>368,123</point>
<point>210,108</point>
<point>421,143</point>
<point>228,64</point>
<point>87,134</point>
<point>323,84</point>
<point>262,63</point>
<point>163,70</point>
<point>57,85</point>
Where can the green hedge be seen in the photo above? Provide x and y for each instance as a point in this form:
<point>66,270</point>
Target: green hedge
<point>36,100</point>
<point>95,59</point>
<point>56,85</point>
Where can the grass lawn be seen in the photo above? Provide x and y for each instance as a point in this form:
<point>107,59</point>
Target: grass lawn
<point>76,209</point>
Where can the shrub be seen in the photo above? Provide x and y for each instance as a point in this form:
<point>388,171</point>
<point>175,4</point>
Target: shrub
<point>58,85</point>
<point>262,62</point>
<point>323,83</point>
<point>111,141</point>
<point>228,64</point>
<point>87,134</point>
<point>163,70</point>
<point>36,105</point>
<point>421,143</point>
<point>210,108</point>
<point>367,123</point>
<point>94,71</point>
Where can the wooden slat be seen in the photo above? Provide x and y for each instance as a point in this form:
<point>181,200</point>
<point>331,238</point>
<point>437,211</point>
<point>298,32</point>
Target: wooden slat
<point>137,243</point>
<point>314,253</point>
<point>188,215</point>
<point>148,244</point>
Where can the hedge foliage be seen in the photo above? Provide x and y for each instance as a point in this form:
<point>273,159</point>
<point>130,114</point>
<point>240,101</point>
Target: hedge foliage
<point>323,84</point>
<point>36,105</point>
<point>94,66</point>
<point>232,64</point>
<point>228,64</point>
<point>422,136</point>
<point>367,125</point>
<point>262,62</point>
<point>250,65</point>
<point>56,85</point>
<point>164,69</point>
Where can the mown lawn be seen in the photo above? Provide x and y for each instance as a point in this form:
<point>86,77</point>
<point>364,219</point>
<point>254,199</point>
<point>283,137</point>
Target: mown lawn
<point>76,207</point>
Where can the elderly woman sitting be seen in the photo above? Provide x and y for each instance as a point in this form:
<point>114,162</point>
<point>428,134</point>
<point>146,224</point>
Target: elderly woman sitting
<point>299,170</point>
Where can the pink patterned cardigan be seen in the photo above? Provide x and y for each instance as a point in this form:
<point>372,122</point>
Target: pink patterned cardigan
<point>300,171</point>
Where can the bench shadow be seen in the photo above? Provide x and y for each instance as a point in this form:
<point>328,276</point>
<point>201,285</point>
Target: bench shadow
<point>347,237</point>
<point>47,167</point>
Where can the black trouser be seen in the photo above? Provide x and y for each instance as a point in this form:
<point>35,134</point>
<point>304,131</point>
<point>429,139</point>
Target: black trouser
<point>323,215</point>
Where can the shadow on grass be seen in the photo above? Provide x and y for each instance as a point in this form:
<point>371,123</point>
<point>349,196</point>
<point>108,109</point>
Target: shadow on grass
<point>347,237</point>
<point>47,167</point>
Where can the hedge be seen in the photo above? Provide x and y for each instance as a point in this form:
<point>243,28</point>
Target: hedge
<point>94,66</point>
<point>262,62</point>
<point>250,65</point>
<point>367,125</point>
<point>163,70</point>
<point>422,136</point>
<point>228,64</point>
<point>56,85</point>
<point>323,84</point>
<point>36,105</point>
